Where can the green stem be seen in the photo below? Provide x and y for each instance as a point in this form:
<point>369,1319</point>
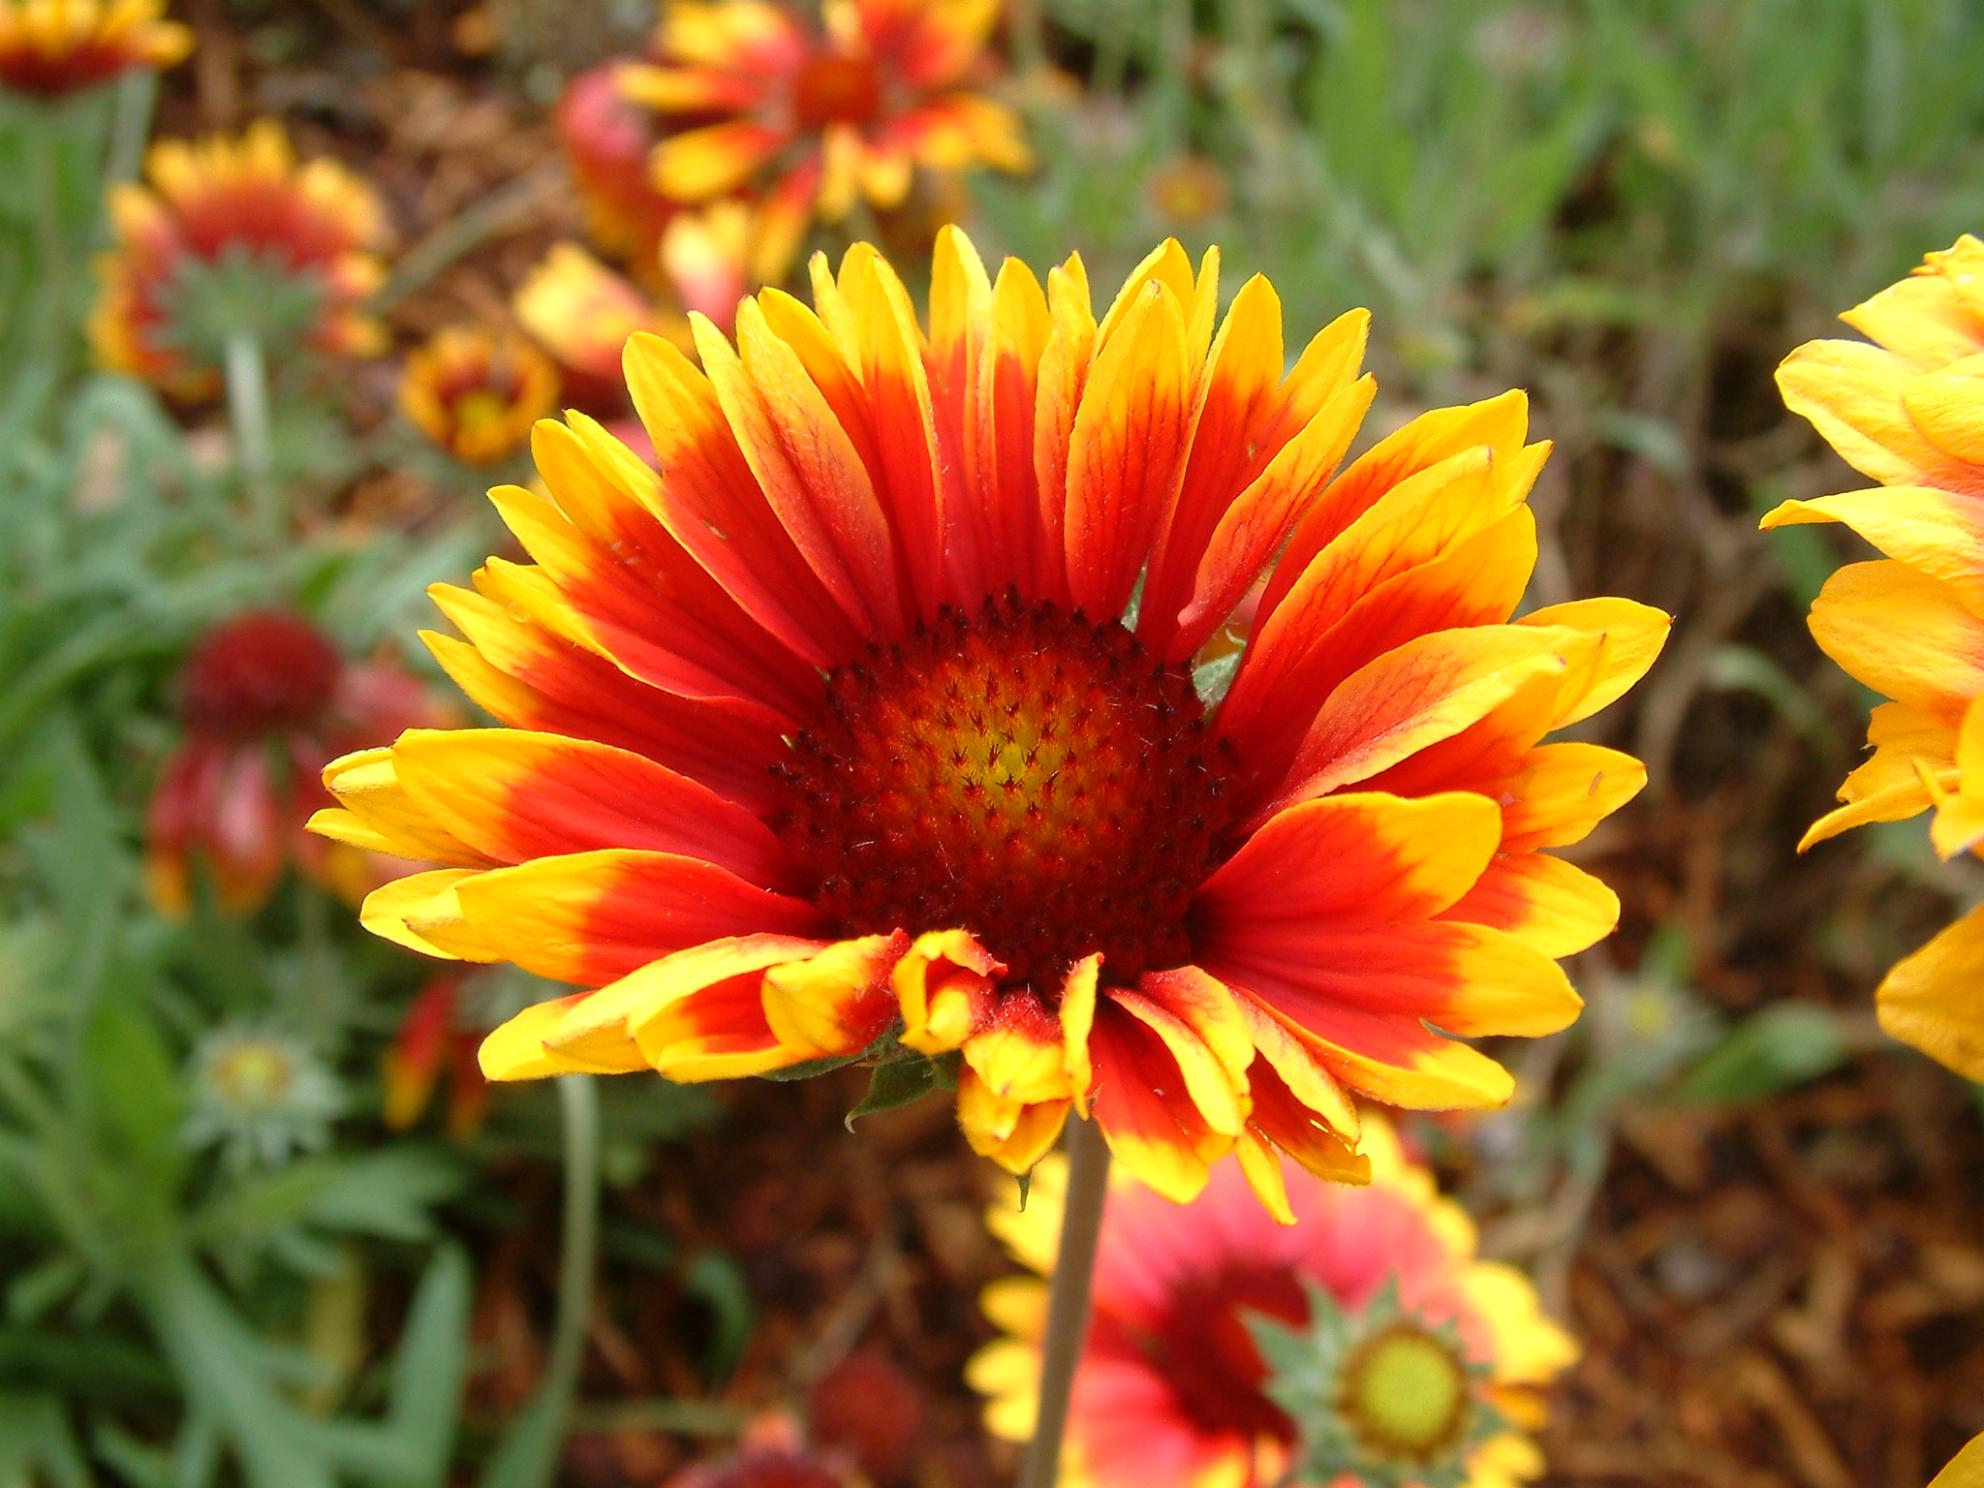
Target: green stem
<point>130,123</point>
<point>52,236</point>
<point>578,1103</point>
<point>248,412</point>
<point>1068,1302</point>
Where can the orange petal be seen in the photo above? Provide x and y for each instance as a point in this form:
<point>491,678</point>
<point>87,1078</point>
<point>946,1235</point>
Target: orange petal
<point>593,916</point>
<point>836,1002</point>
<point>1902,633</point>
<point>1018,1051</point>
<point>1425,691</point>
<point>1012,1133</point>
<point>1548,904</point>
<point>944,984</point>
<point>1932,531</point>
<point>1930,1001</point>
<point>1365,859</point>
<point>1126,451</point>
<point>519,795</point>
<point>1153,1124</point>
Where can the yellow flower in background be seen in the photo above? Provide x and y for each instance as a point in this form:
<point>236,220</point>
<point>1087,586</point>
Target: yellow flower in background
<point>1172,1390</point>
<point>49,48</point>
<point>865,718</point>
<point>235,206</point>
<point>754,97</point>
<point>1909,411</point>
<point>476,392</point>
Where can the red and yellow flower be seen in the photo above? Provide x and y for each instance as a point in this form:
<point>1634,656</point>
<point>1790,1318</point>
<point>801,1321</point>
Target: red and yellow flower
<point>753,97</point>
<point>583,313</point>
<point>870,718</point>
<point>1171,1390</point>
<point>49,48</point>
<point>224,201</point>
<point>1908,411</point>
<point>266,699</point>
<point>476,393</point>
<point>607,140</point>
<point>435,1040</point>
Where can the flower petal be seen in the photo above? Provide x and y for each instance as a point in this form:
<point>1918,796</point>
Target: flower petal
<point>1933,532</point>
<point>591,917</point>
<point>945,985</point>
<point>1425,691</point>
<point>1931,1000</point>
<point>517,795</point>
<point>1904,634</point>
<point>836,1002</point>
<point>1126,451</point>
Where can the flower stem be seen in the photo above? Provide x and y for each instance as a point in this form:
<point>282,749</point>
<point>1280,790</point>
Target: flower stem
<point>130,121</point>
<point>248,413</point>
<point>52,234</point>
<point>1068,1303</point>
<point>578,1103</point>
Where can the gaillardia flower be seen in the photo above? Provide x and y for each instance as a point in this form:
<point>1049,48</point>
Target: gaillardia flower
<point>266,700</point>
<point>476,393</point>
<point>869,719</point>
<point>607,139</point>
<point>50,48</point>
<point>1443,1363</point>
<point>435,1040</point>
<point>1909,412</point>
<point>583,312</point>
<point>752,96</point>
<point>236,226</point>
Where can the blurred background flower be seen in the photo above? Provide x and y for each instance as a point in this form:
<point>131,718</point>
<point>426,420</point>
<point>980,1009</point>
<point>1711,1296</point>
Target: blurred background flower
<point>753,95</point>
<point>1398,1354</point>
<point>266,701</point>
<point>234,236</point>
<point>51,48</point>
<point>476,393</point>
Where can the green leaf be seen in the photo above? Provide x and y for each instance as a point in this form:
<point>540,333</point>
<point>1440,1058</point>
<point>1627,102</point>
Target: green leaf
<point>1768,1052</point>
<point>136,1095</point>
<point>901,1082</point>
<point>715,1280</point>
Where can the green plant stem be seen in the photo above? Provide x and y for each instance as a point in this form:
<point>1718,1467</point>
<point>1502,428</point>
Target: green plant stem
<point>130,122</point>
<point>51,236</point>
<point>248,412</point>
<point>578,1103</point>
<point>1068,1302</point>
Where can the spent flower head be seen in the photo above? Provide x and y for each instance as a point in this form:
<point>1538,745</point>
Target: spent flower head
<point>260,1097</point>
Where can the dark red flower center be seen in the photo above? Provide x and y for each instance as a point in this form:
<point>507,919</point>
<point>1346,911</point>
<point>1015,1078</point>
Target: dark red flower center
<point>1204,1350</point>
<point>1024,774</point>
<point>836,90</point>
<point>259,674</point>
